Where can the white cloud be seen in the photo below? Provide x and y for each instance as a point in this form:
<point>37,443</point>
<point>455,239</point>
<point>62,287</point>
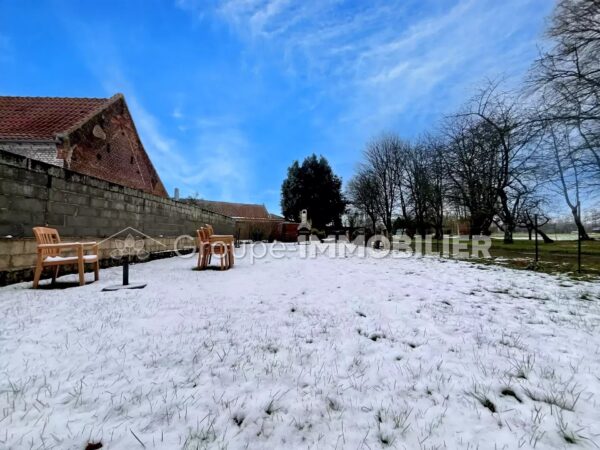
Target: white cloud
<point>207,159</point>
<point>389,60</point>
<point>212,165</point>
<point>223,173</point>
<point>177,114</point>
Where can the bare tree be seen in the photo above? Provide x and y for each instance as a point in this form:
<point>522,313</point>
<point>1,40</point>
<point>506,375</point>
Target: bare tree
<point>363,192</point>
<point>472,170</point>
<point>567,79</point>
<point>532,217</point>
<point>417,183</point>
<point>383,161</point>
<point>567,170</point>
<point>511,142</point>
<point>527,209</point>
<point>436,175</point>
<point>423,181</point>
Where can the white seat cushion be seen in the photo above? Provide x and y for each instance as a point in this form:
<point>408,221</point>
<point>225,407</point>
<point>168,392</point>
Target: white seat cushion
<point>70,259</point>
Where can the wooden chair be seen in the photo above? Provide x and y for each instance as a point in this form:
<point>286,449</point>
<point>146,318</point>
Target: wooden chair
<point>49,248</point>
<point>203,248</point>
<point>226,239</point>
<point>207,249</point>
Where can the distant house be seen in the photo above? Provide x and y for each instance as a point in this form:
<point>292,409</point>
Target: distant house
<point>242,211</point>
<point>92,136</point>
<point>252,221</point>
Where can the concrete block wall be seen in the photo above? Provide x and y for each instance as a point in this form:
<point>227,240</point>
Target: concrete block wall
<point>33,193</point>
<point>18,256</point>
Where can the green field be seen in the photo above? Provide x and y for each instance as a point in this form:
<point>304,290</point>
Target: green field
<point>557,257</point>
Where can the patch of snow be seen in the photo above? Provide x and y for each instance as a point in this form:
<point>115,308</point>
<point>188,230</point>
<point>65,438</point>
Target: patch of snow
<point>303,353</point>
<point>69,258</point>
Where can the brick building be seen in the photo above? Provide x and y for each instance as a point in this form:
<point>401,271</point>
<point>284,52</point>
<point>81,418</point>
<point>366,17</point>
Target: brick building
<point>91,136</point>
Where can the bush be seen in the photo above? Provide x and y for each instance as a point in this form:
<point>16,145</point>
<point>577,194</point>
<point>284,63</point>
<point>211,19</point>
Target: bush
<point>256,234</point>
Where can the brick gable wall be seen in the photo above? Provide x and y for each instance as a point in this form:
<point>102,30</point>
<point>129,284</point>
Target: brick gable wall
<point>108,147</point>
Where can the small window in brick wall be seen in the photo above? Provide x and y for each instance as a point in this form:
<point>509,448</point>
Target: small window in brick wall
<point>107,148</point>
<point>98,156</point>
<point>131,160</point>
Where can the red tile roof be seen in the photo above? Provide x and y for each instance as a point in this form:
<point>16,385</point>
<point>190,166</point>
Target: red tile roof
<point>236,210</point>
<point>41,118</point>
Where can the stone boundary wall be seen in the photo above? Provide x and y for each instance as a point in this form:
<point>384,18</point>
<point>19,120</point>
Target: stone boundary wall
<point>33,193</point>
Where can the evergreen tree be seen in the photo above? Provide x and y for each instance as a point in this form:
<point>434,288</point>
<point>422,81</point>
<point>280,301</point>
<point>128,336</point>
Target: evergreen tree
<point>313,186</point>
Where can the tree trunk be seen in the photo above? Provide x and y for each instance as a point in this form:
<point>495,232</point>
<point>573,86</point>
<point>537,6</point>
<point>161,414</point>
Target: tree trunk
<point>508,219</point>
<point>373,221</point>
<point>478,226</point>
<point>473,228</point>
<point>388,224</point>
<point>582,233</point>
<point>422,227</point>
<point>545,237</point>
<point>439,232</point>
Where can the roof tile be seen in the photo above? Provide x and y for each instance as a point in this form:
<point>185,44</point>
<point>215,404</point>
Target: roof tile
<point>41,118</point>
<point>236,210</point>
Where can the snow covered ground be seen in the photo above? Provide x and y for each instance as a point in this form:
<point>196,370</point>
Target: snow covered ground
<point>303,353</point>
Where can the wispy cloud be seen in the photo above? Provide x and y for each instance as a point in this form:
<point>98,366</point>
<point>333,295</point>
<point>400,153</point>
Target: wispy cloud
<point>223,170</point>
<point>390,61</point>
<point>227,95</point>
<point>198,158</point>
<point>211,163</point>
<point>177,114</point>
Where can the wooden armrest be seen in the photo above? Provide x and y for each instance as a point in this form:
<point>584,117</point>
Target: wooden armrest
<point>60,245</point>
<point>68,245</point>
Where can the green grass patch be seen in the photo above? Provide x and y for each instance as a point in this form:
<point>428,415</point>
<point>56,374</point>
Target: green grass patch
<point>559,257</point>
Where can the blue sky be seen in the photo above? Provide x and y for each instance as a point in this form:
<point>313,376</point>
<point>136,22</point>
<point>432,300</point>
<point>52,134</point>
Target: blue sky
<point>226,94</point>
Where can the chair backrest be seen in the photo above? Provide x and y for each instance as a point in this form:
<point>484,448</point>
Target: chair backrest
<point>201,236</point>
<point>45,235</point>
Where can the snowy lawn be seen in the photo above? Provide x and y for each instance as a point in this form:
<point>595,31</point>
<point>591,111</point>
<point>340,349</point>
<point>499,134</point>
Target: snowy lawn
<point>303,353</point>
